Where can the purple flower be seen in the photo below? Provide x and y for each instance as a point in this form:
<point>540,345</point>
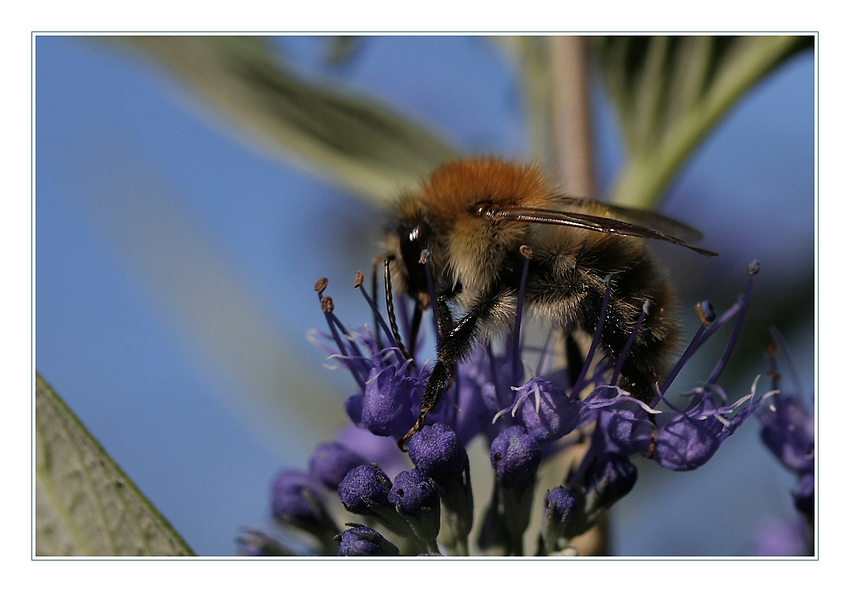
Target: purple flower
<point>694,434</point>
<point>364,490</point>
<point>438,453</point>
<point>782,538</point>
<point>378,450</point>
<point>608,479</point>
<point>804,495</point>
<point>255,543</point>
<point>789,432</point>
<point>515,456</point>
<point>429,509</point>
<point>413,493</point>
<point>361,540</point>
<point>415,498</point>
<point>298,502</point>
<point>598,484</point>
<point>623,422</point>
<point>545,409</point>
<point>389,400</point>
<point>468,407</point>
<point>331,462</point>
<point>561,504</point>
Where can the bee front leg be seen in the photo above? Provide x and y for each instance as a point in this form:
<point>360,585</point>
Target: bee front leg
<point>433,390</point>
<point>456,341</point>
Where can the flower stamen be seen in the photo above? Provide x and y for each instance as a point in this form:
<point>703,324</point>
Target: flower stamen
<point>579,383</point>
<point>645,310</point>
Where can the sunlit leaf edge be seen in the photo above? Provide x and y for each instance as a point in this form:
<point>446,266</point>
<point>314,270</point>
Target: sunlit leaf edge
<point>155,537</point>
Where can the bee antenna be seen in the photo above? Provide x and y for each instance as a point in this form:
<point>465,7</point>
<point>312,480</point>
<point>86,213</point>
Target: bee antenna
<point>388,287</point>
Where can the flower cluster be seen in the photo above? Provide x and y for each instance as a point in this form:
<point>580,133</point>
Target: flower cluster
<point>426,508</point>
<point>788,432</point>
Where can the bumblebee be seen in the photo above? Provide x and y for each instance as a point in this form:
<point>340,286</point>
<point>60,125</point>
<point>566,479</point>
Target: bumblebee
<point>463,241</point>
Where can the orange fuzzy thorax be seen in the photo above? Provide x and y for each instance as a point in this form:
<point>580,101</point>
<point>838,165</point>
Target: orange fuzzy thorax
<point>452,188</point>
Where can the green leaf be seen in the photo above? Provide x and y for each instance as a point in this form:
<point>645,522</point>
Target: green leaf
<point>85,504</point>
<point>355,142</point>
<point>531,60</point>
<point>669,93</point>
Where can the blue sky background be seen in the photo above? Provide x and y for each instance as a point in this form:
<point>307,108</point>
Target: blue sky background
<point>152,215</point>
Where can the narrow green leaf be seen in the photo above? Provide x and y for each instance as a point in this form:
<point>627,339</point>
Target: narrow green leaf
<point>85,504</point>
<point>531,58</point>
<point>669,93</point>
<point>355,142</point>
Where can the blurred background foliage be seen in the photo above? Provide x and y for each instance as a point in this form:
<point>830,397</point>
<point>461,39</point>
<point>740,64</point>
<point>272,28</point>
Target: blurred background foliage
<point>160,240</point>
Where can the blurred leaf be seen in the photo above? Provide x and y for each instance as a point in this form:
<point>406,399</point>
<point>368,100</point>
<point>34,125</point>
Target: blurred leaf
<point>670,91</point>
<point>342,49</point>
<point>531,58</point>
<point>85,504</point>
<point>356,142</point>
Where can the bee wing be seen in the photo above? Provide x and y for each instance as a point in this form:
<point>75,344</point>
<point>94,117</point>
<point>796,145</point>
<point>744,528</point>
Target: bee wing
<point>587,221</point>
<point>646,218</point>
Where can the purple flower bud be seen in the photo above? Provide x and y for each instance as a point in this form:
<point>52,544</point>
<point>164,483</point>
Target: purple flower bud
<point>289,478</point>
<point>255,543</point>
<point>296,501</point>
<point>515,457</point>
<point>354,409</point>
<point>560,503</point>
<point>412,491</point>
<point>416,500</point>
<point>437,452</point>
<point>360,540</point>
<point>364,490</point>
<point>388,408</point>
<point>331,462</point>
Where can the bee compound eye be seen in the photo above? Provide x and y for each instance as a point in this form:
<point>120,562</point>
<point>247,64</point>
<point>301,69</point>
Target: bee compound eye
<point>483,208</point>
<point>413,241</point>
